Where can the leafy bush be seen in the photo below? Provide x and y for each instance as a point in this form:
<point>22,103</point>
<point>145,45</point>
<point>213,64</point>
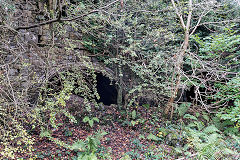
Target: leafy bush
<point>90,121</point>
<point>16,141</point>
<point>222,47</point>
<point>230,94</point>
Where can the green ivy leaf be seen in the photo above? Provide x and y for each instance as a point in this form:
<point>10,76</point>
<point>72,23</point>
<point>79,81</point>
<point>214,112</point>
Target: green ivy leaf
<point>152,137</point>
<point>206,117</point>
<point>134,114</point>
<point>141,136</point>
<point>90,123</point>
<point>96,119</point>
<point>45,133</point>
<point>133,123</point>
<point>86,119</point>
<point>197,114</point>
<point>189,116</point>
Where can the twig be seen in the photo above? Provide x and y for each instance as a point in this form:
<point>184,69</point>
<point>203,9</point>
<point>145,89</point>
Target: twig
<point>2,66</point>
<point>12,91</point>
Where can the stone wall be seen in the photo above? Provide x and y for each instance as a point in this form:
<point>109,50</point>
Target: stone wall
<point>32,56</point>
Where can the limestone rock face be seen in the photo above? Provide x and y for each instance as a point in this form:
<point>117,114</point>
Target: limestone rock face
<point>33,56</point>
<point>75,101</point>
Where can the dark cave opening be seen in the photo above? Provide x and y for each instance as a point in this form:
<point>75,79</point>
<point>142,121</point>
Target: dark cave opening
<point>185,95</point>
<point>189,95</point>
<point>106,90</point>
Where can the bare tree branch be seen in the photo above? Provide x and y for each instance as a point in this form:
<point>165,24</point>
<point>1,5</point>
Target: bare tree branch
<point>59,18</point>
<point>178,14</point>
<point>227,21</point>
<point>199,20</point>
<point>189,15</point>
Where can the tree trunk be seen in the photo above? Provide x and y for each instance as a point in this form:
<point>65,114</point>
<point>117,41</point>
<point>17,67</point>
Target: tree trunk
<point>178,68</point>
<point>179,57</point>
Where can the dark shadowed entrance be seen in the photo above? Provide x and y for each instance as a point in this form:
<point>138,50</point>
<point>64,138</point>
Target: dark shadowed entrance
<point>106,90</point>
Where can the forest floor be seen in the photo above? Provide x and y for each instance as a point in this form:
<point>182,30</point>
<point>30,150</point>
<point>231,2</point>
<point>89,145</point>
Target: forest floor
<point>142,134</point>
<point>122,139</point>
<point>117,143</point>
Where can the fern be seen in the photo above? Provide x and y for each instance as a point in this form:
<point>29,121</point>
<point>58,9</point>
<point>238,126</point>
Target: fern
<point>210,129</point>
<point>78,146</point>
<point>85,148</point>
<point>207,141</point>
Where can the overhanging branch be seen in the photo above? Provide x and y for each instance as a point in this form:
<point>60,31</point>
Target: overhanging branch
<point>60,19</point>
